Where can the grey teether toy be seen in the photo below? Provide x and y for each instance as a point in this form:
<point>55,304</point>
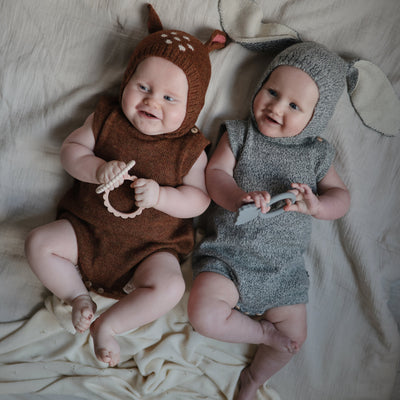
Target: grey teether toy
<point>248,212</point>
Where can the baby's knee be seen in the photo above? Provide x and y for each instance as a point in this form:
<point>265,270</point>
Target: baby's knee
<point>204,318</point>
<point>291,321</point>
<point>300,335</point>
<point>167,289</point>
<point>201,321</point>
<point>33,241</point>
<point>196,311</point>
<point>176,287</point>
<point>298,331</point>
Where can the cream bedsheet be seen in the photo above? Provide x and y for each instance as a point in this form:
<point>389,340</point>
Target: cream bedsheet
<point>57,57</point>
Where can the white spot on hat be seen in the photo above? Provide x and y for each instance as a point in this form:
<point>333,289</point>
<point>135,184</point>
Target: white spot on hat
<point>177,38</point>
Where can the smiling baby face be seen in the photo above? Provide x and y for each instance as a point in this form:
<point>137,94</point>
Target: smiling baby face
<point>285,103</point>
<point>155,98</point>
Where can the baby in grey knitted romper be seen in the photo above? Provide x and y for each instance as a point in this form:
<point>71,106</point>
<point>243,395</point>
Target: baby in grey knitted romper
<point>258,268</point>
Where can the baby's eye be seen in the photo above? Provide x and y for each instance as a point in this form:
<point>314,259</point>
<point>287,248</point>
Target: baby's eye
<point>168,98</point>
<point>294,106</point>
<point>144,88</point>
<point>272,92</point>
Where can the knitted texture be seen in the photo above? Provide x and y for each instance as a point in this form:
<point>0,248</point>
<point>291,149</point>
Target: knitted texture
<point>186,52</point>
<point>326,68</point>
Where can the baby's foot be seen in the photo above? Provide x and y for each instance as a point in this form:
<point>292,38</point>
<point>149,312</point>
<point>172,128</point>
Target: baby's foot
<point>106,347</point>
<point>83,309</point>
<point>275,339</point>
<point>247,387</point>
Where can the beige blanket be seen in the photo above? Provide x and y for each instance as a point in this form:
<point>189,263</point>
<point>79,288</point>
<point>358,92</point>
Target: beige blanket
<point>57,57</point>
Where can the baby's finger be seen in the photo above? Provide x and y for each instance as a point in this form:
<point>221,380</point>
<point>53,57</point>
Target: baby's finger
<point>299,186</point>
<point>297,193</point>
<point>247,199</point>
<point>266,196</point>
<point>307,190</point>
<point>117,182</point>
<point>290,207</point>
<point>140,182</point>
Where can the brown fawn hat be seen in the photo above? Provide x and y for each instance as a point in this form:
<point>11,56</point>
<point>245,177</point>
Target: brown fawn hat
<point>185,51</point>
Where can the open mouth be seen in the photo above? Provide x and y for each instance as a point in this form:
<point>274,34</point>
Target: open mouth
<point>148,115</point>
<point>269,119</point>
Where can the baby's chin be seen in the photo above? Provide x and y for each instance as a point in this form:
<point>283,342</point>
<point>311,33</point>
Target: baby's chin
<point>152,126</point>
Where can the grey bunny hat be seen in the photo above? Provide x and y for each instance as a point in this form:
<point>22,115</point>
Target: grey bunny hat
<point>371,94</point>
<point>328,71</point>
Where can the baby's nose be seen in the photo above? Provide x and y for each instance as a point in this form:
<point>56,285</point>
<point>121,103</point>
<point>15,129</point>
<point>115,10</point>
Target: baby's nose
<point>277,107</point>
<point>151,102</point>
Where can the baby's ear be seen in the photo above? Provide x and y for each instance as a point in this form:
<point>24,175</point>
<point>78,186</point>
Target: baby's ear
<point>218,40</point>
<point>153,23</point>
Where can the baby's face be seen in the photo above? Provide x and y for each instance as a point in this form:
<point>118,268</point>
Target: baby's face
<point>285,104</point>
<point>155,98</point>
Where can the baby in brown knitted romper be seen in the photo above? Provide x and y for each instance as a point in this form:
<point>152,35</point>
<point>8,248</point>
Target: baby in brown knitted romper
<point>153,123</point>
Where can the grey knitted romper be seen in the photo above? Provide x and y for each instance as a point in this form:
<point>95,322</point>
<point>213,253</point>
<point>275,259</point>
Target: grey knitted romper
<point>264,257</point>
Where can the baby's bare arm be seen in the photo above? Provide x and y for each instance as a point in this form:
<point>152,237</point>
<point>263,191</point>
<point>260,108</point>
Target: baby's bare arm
<point>79,161</point>
<point>186,201</point>
<point>221,185</point>
<point>77,155</point>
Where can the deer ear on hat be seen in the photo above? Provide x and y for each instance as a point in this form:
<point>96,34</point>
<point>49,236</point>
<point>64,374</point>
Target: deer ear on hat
<point>218,40</point>
<point>153,22</point>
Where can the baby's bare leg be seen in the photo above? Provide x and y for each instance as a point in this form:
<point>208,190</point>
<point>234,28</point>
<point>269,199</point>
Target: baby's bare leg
<point>159,286</point>
<point>211,313</point>
<point>52,253</point>
<point>291,321</point>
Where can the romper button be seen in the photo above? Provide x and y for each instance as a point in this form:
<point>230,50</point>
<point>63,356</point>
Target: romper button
<point>88,284</point>
<point>100,290</point>
<point>194,130</point>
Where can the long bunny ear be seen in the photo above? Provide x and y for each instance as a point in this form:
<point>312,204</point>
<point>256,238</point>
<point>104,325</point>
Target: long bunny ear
<point>153,22</point>
<point>374,98</point>
<point>218,40</point>
<point>242,21</point>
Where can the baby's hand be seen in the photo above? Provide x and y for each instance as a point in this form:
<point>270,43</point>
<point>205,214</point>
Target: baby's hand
<point>107,171</point>
<point>306,201</point>
<point>259,198</point>
<point>147,192</point>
